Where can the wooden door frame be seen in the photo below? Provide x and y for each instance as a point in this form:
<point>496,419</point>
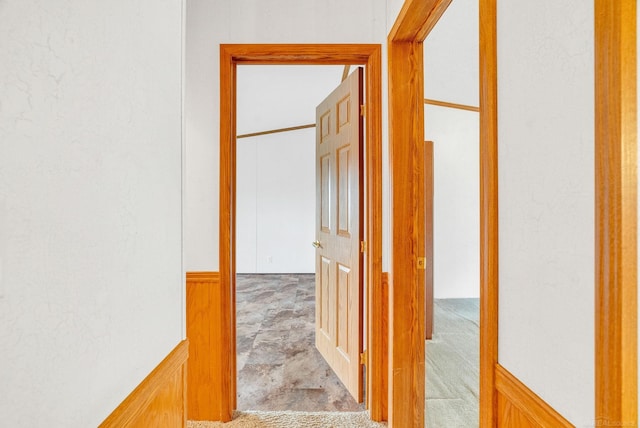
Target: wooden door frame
<point>616,329</point>
<point>616,326</point>
<point>406,123</point>
<point>370,55</point>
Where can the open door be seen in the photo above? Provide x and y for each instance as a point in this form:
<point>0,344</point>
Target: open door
<point>339,138</point>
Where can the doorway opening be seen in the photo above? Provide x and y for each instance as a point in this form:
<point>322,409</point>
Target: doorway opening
<point>452,176</point>
<point>278,365</point>
<point>224,360</point>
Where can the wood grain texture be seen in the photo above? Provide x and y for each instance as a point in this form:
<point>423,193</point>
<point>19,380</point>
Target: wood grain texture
<point>488,212</point>
<point>451,105</point>
<point>616,216</point>
<point>203,304</point>
<point>416,19</point>
<point>301,54</point>
<point>378,302</point>
<point>225,331</point>
<point>370,55</point>
<point>382,319</point>
<point>520,407</point>
<point>407,301</point>
<point>160,399</point>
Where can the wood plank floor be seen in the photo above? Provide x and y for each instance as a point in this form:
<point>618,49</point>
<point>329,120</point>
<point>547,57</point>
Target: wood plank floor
<point>279,367</point>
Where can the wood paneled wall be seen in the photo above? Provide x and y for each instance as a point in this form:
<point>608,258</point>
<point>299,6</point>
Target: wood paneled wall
<point>205,349</point>
<point>519,407</point>
<point>160,400</point>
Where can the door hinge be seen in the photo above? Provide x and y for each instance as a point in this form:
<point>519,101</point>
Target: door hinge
<point>363,110</point>
<point>363,358</point>
<point>363,246</point>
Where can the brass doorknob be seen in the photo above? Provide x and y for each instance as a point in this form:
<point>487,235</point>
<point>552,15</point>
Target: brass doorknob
<point>316,244</point>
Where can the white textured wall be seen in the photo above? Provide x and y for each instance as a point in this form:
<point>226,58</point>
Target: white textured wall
<point>275,218</point>
<point>393,8</point>
<point>546,175</point>
<point>90,204</point>
<point>451,55</point>
<point>246,21</point>
<point>456,212</point>
<point>451,75</point>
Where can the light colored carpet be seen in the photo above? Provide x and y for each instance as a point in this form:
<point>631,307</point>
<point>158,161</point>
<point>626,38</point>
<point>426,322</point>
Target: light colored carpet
<point>288,419</point>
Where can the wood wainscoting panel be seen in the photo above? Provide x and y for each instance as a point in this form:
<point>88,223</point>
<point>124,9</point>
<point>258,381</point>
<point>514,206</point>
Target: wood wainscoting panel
<point>204,351</point>
<point>160,400</point>
<point>519,407</point>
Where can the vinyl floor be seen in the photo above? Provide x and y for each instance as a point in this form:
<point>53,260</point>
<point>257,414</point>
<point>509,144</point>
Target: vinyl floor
<point>279,367</point>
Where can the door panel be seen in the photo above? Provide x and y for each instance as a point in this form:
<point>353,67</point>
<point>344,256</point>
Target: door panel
<point>323,297</point>
<point>343,192</point>
<point>325,194</point>
<point>339,140</point>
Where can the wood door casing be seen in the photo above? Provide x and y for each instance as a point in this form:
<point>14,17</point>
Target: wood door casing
<point>339,140</point>
<point>222,372</point>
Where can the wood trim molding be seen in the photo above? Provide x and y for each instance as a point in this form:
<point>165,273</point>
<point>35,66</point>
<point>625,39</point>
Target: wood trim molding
<point>519,407</point>
<point>616,213</point>
<point>342,54</point>
<point>203,300</point>
<point>275,131</point>
<point>416,19</point>
<point>383,347</point>
<point>451,105</point>
<point>407,293</point>
<point>160,399</point>
<point>488,212</point>
<point>378,301</point>
<point>193,277</point>
<point>345,72</point>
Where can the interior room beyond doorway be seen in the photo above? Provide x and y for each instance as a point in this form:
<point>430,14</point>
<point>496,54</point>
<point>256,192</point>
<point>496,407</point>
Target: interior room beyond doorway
<point>278,365</point>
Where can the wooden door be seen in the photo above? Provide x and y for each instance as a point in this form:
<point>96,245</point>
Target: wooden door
<point>339,231</point>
